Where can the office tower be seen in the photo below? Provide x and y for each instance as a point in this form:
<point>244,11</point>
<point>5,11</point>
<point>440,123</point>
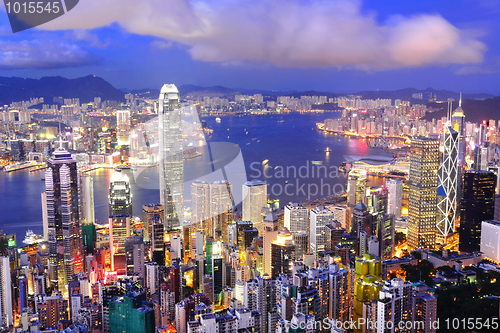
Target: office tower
<point>333,236</point>
<point>260,295</point>
<point>296,218</point>
<point>301,241</point>
<point>339,291</point>
<point>270,234</point>
<point>218,276</point>
<point>254,199</point>
<point>395,302</point>
<point>481,157</point>
<point>362,221</point>
<point>171,161</point>
<point>341,213</point>
<point>395,197</point>
<point>424,307</point>
<point>423,180</point>
<point>448,180</point>
<point>367,284</point>
<point>6,314</point>
<point>208,286</point>
<point>477,205</point>
<point>152,277</point>
<point>131,313</point>
<point>221,208</point>
<point>458,125</point>
<point>282,253</point>
<point>89,235</point>
<point>148,211</point>
<point>200,207</point>
<point>120,213</point>
<point>320,217</point>
<point>157,239</point>
<point>123,127</point>
<point>356,185</point>
<point>134,254</point>
<point>385,235</point>
<point>241,227</point>
<point>64,231</point>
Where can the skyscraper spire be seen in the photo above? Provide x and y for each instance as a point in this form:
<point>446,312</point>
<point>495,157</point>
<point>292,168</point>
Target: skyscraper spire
<point>460,101</point>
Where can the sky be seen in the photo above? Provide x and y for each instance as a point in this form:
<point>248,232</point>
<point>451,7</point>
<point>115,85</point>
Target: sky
<point>325,45</point>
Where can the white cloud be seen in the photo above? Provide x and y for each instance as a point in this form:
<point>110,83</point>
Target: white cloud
<point>285,33</point>
<point>45,54</point>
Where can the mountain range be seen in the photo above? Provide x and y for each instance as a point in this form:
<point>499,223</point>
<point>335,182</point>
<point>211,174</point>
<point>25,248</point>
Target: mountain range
<point>477,107</point>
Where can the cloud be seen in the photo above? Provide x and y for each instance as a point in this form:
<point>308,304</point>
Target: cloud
<point>46,54</point>
<point>285,33</point>
<point>87,36</point>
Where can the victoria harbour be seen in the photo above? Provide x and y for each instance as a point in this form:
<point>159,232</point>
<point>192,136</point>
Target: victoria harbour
<point>285,141</point>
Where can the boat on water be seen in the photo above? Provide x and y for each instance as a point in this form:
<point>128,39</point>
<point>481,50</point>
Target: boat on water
<point>317,162</point>
<point>264,162</point>
<point>328,149</point>
<point>217,120</point>
<point>32,238</point>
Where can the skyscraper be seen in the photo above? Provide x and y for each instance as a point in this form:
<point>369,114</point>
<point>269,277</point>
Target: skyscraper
<point>123,126</point>
<point>148,212</point>
<point>478,205</point>
<point>296,218</point>
<point>221,208</point>
<point>6,315</point>
<point>120,213</point>
<point>63,215</point>
<point>171,161</point>
<point>320,217</point>
<point>395,197</point>
<point>200,207</point>
<point>448,182</point>
<point>423,178</point>
<point>89,235</point>
<point>282,253</point>
<point>254,199</point>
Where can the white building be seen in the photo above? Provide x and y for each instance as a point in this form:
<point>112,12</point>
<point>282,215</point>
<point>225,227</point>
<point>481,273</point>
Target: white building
<point>5,292</point>
<point>296,218</point>
<point>490,240</point>
<point>394,197</point>
<point>254,199</point>
<point>320,217</point>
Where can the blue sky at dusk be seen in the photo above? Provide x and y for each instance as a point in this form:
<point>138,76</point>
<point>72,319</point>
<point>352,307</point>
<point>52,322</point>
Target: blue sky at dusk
<point>336,46</point>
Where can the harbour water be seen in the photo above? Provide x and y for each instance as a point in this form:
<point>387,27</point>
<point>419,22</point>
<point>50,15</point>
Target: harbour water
<point>298,168</point>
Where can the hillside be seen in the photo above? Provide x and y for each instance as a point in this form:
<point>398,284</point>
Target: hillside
<point>475,110</point>
<point>14,89</point>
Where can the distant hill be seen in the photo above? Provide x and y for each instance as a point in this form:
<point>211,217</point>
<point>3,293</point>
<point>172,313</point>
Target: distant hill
<point>14,89</point>
<point>475,110</point>
<point>193,91</point>
<point>406,94</point>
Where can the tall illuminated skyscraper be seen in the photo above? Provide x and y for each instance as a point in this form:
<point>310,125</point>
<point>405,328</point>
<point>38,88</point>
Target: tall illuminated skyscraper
<point>448,176</point>
<point>424,161</point>
<point>123,126</point>
<point>458,124</point>
<point>221,208</point>
<point>63,215</point>
<point>171,161</point>
<point>282,253</point>
<point>120,213</point>
<point>478,205</point>
<point>254,199</point>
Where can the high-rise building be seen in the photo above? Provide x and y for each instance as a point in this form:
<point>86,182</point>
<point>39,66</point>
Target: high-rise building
<point>157,239</point>
<point>395,197</point>
<point>356,185</point>
<point>320,217</point>
<point>6,314</point>
<point>296,218</point>
<point>131,314</point>
<point>339,292</point>
<point>134,254</point>
<point>254,199</point>
<point>120,213</point>
<point>458,124</point>
<point>270,234</point>
<point>282,253</point>
<point>477,205</point>
<point>424,307</point>
<point>89,235</point>
<point>200,207</point>
<point>171,161</point>
<point>490,240</point>
<point>148,211</point>
<point>63,215</point>
<point>422,206</point>
<point>221,208</point>
<point>123,126</point>
<point>448,176</point>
